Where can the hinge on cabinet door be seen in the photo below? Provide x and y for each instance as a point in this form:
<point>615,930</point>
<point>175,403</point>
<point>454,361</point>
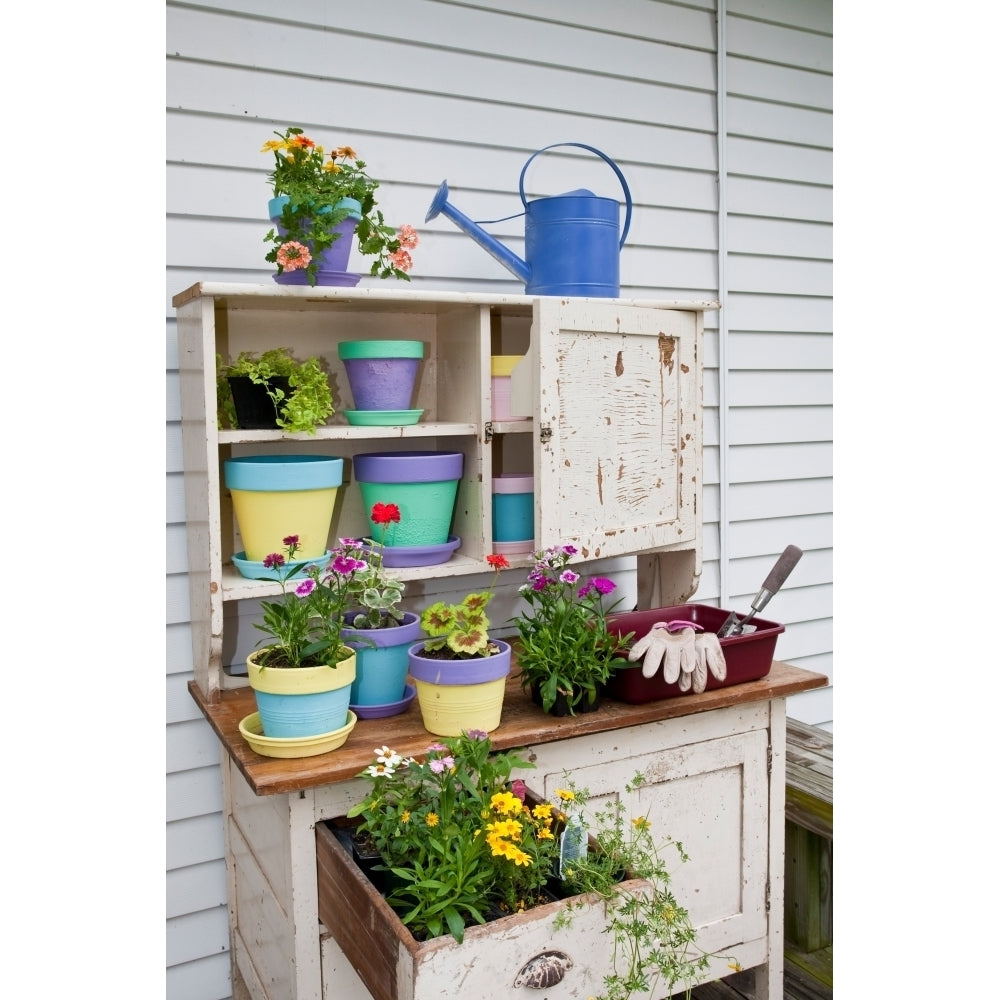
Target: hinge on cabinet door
<point>545,433</point>
<point>488,436</point>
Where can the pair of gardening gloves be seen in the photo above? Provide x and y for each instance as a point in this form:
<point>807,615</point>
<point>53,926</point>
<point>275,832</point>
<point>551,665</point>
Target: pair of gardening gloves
<point>686,656</point>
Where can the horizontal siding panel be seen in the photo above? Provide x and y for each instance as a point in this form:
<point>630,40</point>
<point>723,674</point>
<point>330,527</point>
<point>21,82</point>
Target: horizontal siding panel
<point>780,275</point>
<point>810,15</point>
<point>781,84</point>
<point>751,351</point>
<point>198,934</point>
<point>775,424</point>
<point>776,43</point>
<point>191,745</point>
<point>803,639</point>
<point>779,313</point>
<point>178,649</point>
<point>206,979</point>
<point>684,140</point>
<point>813,707</point>
<point>778,199</point>
<point>180,706</point>
<point>197,840</point>
<point>794,497</point>
<point>809,531</point>
<point>762,463</point>
<point>177,599</point>
<point>647,18</point>
<point>198,887</point>
<point>748,157</point>
<point>192,793</point>
<point>770,388</point>
<point>779,123</point>
<point>491,40</point>
<point>176,548</point>
<point>779,238</point>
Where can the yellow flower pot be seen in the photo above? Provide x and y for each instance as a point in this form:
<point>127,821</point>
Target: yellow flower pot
<point>275,496</point>
<point>458,695</point>
<point>302,701</point>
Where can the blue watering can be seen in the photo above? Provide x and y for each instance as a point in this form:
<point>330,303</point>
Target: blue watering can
<point>571,240</point>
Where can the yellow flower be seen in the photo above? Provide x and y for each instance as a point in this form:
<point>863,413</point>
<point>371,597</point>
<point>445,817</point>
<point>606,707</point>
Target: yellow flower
<point>565,794</point>
<point>542,811</point>
<point>506,802</point>
<point>735,966</point>
<point>405,816</point>
<point>432,819</point>
<point>271,145</point>
<point>641,823</point>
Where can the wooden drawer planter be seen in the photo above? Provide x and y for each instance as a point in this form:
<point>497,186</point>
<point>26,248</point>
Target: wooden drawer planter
<point>393,965</point>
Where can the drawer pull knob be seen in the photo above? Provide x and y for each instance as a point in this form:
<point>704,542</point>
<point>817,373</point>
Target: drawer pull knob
<point>544,970</point>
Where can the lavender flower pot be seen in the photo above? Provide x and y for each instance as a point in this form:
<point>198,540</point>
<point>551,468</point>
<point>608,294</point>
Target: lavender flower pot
<point>381,373</point>
<point>333,260</point>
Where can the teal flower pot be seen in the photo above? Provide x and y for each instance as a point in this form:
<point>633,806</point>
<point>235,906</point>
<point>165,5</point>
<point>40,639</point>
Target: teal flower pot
<point>423,484</point>
<point>382,660</point>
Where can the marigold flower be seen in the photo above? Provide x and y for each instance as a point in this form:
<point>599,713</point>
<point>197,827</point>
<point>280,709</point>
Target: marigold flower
<point>565,794</point>
<point>345,153</point>
<point>302,141</point>
<point>432,819</point>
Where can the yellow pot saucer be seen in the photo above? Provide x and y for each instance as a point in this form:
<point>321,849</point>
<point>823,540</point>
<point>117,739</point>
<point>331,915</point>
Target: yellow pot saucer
<point>294,746</point>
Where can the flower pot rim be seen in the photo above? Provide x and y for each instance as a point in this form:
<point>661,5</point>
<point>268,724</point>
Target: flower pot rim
<point>282,473</point>
<point>475,670</point>
<point>423,466</point>
<point>276,206</point>
<point>357,350</point>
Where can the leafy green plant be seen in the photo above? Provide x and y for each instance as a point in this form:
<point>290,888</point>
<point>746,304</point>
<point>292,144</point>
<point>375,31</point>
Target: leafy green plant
<point>306,405</point>
<point>430,821</point>
<point>565,646</point>
<point>374,593</point>
<point>460,631</point>
<point>653,941</point>
<point>315,184</point>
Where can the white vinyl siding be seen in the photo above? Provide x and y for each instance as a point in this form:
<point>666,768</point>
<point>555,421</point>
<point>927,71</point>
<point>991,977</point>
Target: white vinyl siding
<point>428,90</point>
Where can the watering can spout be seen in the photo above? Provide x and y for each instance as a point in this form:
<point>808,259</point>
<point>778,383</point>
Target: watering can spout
<point>510,260</point>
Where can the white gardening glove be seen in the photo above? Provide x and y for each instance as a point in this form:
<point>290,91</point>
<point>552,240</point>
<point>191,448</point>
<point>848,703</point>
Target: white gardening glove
<point>675,650</point>
<point>710,658</point>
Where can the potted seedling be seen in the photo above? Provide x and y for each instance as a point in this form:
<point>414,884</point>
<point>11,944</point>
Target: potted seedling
<point>273,389</point>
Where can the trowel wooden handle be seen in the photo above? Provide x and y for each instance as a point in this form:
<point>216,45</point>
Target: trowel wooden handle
<point>787,561</point>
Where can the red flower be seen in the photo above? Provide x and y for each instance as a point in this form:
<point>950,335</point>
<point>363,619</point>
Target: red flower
<point>498,561</point>
<point>384,513</point>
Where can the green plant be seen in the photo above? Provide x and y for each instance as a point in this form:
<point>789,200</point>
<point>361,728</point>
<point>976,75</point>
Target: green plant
<point>565,646</point>
<point>653,941</point>
<point>307,621</point>
<point>460,631</point>
<point>305,407</point>
<point>454,834</point>
<point>315,184</point>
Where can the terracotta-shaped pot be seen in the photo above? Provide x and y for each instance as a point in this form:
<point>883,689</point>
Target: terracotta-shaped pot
<point>456,695</point>
<point>301,701</point>
<point>381,373</point>
<point>382,660</point>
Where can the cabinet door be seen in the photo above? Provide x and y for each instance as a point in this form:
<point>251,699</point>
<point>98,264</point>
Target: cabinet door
<point>618,425</point>
<point>712,797</point>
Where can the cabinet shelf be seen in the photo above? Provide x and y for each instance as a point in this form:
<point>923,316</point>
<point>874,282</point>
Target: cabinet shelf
<point>612,390</point>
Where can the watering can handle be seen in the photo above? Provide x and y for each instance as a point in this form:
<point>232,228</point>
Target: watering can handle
<point>607,159</point>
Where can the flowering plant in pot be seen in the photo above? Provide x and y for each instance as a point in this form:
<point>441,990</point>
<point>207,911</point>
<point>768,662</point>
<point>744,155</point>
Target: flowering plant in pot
<point>299,391</point>
<point>461,841</point>
<point>460,673</point>
<point>376,627</point>
<point>566,651</point>
<point>315,192</point>
<point>461,631</point>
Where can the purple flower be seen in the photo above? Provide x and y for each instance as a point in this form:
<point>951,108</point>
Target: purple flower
<point>306,587</point>
<point>603,585</point>
<point>477,734</point>
<point>568,576</point>
<point>440,764</point>
<point>570,550</point>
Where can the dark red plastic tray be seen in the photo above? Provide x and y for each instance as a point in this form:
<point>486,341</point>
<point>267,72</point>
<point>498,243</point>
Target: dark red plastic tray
<point>748,657</point>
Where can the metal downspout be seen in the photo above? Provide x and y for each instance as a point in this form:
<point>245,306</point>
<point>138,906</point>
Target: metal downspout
<point>723,254</point>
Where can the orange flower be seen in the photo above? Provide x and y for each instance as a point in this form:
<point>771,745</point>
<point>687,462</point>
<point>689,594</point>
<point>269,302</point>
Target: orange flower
<point>293,255</point>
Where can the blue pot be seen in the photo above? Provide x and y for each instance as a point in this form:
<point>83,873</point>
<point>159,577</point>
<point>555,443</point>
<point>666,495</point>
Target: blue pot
<point>382,660</point>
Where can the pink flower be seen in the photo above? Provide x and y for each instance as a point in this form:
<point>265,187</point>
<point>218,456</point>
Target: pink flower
<point>293,255</point>
<point>306,587</point>
<point>408,237</point>
<point>401,260</point>
<point>519,788</point>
